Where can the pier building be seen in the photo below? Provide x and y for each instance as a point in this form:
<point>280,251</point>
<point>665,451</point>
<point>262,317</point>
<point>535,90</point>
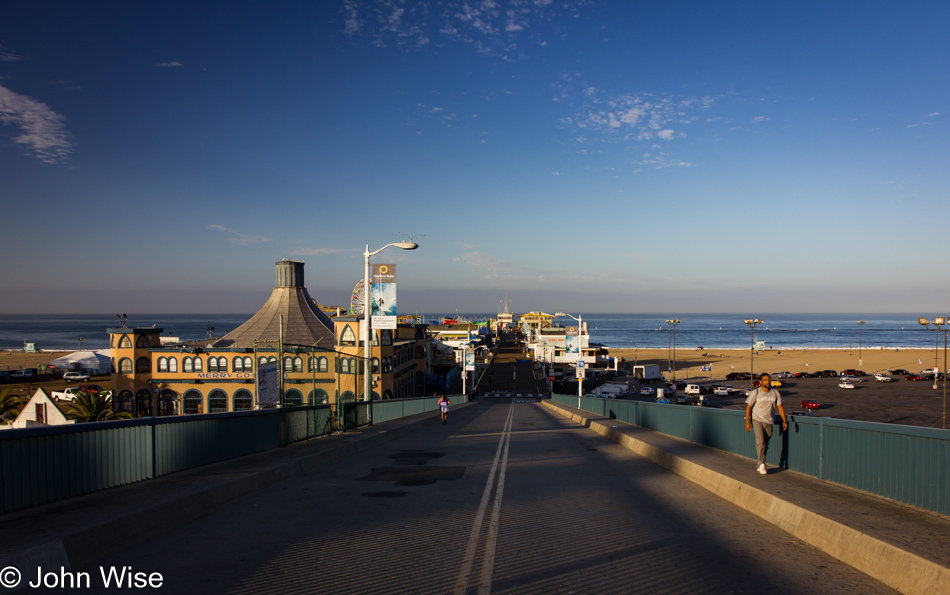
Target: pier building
<point>321,359</point>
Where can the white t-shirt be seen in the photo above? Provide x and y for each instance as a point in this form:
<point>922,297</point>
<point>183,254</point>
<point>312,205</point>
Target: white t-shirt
<point>764,404</point>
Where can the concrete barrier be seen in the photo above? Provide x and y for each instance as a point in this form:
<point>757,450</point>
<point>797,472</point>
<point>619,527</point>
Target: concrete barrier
<point>904,571</point>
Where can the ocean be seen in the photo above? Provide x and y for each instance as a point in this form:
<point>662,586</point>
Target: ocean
<point>712,331</point>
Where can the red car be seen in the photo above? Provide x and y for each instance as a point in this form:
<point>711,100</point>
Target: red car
<point>914,377</point>
<point>810,404</point>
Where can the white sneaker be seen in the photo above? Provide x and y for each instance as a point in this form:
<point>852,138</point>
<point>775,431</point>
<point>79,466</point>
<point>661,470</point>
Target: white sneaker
<point>761,469</point>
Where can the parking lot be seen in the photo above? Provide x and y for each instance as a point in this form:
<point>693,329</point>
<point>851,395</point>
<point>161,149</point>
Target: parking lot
<point>896,402</point>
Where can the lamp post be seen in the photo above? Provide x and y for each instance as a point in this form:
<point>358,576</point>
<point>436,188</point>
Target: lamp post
<point>80,343</point>
<point>752,322</point>
<point>367,312</point>
<point>580,360</point>
<point>673,322</point>
<point>938,322</point>
<point>861,324</point>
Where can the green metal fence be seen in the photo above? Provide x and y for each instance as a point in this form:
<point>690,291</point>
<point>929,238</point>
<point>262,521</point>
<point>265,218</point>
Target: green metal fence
<point>46,464</point>
<point>904,463</point>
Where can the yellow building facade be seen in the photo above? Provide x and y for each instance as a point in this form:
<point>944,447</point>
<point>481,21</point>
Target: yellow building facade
<point>321,360</point>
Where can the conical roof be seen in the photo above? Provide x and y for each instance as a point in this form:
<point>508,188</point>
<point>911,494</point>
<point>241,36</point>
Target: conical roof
<point>304,323</point>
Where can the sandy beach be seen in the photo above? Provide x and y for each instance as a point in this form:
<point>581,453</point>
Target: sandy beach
<point>689,362</point>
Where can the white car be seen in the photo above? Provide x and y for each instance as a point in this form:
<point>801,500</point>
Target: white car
<point>846,384</point>
<point>722,391</point>
<point>881,377</point>
<point>76,377</point>
<point>646,391</point>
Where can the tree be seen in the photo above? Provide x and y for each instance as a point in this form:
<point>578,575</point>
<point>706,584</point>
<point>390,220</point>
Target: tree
<point>9,405</point>
<point>94,406</point>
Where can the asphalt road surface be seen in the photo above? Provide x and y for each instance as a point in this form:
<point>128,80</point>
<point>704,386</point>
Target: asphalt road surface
<point>504,498</point>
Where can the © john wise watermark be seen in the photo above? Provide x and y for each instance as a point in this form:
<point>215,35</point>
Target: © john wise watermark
<point>122,577</point>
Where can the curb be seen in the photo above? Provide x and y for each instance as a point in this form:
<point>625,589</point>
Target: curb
<point>897,568</point>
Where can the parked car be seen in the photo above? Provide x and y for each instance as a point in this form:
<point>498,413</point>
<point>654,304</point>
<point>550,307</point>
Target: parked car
<point>811,404</point>
<point>900,372</point>
<point>846,384</point>
<point>90,388</point>
<point>23,374</point>
<point>722,391</point>
<point>851,379</point>
<point>881,377</point>
<point>76,377</point>
<point>776,383</point>
<point>647,391</point>
<point>827,374</point>
<point>733,376</point>
<point>914,377</point>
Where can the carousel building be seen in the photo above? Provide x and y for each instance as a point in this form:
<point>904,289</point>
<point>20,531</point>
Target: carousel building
<point>321,359</point>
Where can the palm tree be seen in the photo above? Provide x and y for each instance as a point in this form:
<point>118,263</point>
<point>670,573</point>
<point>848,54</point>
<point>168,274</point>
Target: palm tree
<point>94,406</point>
<point>9,405</point>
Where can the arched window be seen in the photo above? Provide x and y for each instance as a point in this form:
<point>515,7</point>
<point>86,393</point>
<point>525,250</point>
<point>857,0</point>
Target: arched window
<point>162,364</point>
<point>271,359</point>
<point>212,364</point>
<point>319,397</point>
<point>288,364</point>
<point>420,352</point>
<point>347,397</point>
<point>168,403</point>
<point>387,394</point>
<point>293,398</point>
<point>112,366</point>
<point>172,364</point>
<point>322,365</point>
<point>248,364</point>
<point>125,401</point>
<point>218,401</point>
<point>222,364</point>
<point>344,366</point>
<point>298,364</point>
<point>243,400</point>
<point>387,337</point>
<point>263,360</point>
<point>125,366</point>
<point>193,401</point>
<point>125,342</point>
<point>198,365</point>
<point>375,365</point>
<point>142,342</point>
<point>347,337</point>
<point>143,403</point>
<point>237,364</point>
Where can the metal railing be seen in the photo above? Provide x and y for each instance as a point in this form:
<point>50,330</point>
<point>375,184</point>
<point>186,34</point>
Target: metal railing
<point>908,464</point>
<point>45,464</point>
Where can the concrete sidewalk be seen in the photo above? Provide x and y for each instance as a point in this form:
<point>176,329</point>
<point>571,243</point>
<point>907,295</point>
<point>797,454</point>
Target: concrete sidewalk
<point>904,547</point>
<point>73,532</point>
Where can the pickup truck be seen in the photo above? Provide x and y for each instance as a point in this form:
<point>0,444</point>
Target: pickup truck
<point>66,394</point>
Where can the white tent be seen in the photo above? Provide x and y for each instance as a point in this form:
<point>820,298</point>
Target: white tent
<point>96,362</point>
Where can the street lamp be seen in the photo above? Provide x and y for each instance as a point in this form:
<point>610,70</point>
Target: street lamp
<point>579,365</point>
<point>80,343</point>
<point>861,324</point>
<point>367,310</point>
<point>673,322</point>
<point>752,322</point>
<point>938,322</point>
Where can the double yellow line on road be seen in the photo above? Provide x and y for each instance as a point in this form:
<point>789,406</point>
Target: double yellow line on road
<point>499,465</point>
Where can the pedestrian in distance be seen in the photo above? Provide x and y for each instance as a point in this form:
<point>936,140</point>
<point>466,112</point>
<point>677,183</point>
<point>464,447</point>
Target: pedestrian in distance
<point>444,407</point>
<point>760,414</point>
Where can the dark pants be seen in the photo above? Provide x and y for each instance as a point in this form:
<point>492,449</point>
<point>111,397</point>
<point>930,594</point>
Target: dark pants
<point>763,432</point>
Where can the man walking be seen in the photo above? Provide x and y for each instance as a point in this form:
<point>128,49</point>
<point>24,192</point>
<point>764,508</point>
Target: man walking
<point>759,414</point>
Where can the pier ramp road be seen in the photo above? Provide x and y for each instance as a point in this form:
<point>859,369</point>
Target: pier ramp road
<point>509,377</point>
<point>507,497</point>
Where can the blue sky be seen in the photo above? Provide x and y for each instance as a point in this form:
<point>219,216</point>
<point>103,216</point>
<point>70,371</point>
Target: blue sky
<point>583,156</point>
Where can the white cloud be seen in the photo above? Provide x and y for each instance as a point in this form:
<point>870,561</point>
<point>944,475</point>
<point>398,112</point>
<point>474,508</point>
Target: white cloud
<point>239,238</point>
<point>8,57</point>
<point>761,119</point>
<point>666,134</point>
<point>168,64</point>
<point>42,130</point>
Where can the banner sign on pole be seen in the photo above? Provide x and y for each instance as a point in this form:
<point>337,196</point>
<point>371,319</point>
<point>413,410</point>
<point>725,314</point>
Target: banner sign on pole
<point>383,281</point>
<point>384,322</point>
<point>268,384</point>
<point>707,368</point>
<point>470,362</point>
